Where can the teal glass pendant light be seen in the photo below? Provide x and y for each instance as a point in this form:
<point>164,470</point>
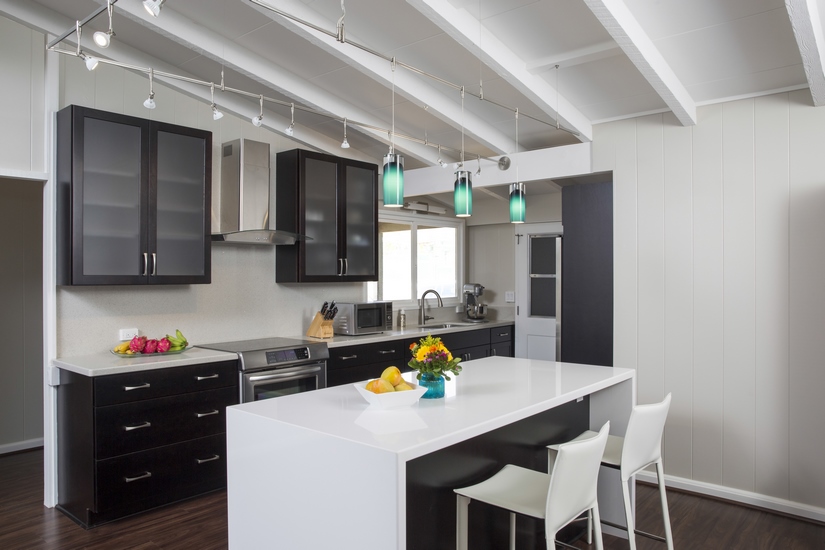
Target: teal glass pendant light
<point>518,203</point>
<point>393,180</point>
<point>463,197</point>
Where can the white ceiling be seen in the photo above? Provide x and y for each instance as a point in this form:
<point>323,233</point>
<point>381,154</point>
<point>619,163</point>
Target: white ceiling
<point>616,58</point>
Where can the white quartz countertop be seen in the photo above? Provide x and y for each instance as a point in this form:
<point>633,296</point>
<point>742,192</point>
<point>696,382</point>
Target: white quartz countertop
<point>489,393</point>
<point>413,331</point>
<point>104,363</point>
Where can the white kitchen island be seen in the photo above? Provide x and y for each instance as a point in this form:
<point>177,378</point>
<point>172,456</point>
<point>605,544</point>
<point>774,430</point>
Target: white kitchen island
<point>323,470</point>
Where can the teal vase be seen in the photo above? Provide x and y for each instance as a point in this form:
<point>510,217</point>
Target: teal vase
<point>434,385</point>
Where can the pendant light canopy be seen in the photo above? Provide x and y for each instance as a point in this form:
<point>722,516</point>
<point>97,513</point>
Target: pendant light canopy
<point>393,180</point>
<point>518,203</point>
<point>463,194</point>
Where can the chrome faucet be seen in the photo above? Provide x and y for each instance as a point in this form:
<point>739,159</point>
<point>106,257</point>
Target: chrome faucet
<point>422,317</point>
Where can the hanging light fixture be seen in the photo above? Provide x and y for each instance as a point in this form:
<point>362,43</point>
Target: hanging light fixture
<point>103,39</point>
<point>153,6</point>
<point>258,120</point>
<point>518,201</point>
<point>216,114</point>
<point>345,143</point>
<point>393,175</point>
<point>440,161</point>
<point>91,62</point>
<point>150,101</point>
<point>463,188</point>
<point>290,130</point>
<point>478,172</point>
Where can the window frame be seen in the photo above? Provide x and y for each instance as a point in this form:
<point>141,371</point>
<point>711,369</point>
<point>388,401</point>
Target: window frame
<point>431,220</point>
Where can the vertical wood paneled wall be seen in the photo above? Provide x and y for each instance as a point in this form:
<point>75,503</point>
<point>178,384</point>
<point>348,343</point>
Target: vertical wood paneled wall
<point>720,287</point>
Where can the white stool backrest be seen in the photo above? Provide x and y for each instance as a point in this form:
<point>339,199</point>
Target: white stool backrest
<point>574,480</point>
<point>643,440</point>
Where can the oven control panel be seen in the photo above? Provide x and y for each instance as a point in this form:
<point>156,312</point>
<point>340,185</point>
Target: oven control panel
<point>286,355</point>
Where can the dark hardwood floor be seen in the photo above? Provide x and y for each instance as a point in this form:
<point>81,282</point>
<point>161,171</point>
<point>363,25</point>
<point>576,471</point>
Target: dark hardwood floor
<point>698,523</point>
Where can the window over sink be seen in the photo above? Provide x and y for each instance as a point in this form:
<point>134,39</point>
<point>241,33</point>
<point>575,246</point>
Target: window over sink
<point>417,252</point>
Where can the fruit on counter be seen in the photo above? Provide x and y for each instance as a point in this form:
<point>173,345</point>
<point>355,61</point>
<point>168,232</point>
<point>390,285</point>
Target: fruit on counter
<point>163,345</point>
<point>151,346</point>
<point>123,347</point>
<point>392,375</point>
<point>177,342</point>
<point>137,344</point>
<point>379,385</point>
<point>403,386</point>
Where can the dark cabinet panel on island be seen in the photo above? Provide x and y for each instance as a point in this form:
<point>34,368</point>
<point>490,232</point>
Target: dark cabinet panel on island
<point>334,202</point>
<point>130,442</point>
<point>133,200</point>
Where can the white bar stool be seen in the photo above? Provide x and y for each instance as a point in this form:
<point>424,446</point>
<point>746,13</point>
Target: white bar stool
<point>639,448</point>
<point>558,497</point>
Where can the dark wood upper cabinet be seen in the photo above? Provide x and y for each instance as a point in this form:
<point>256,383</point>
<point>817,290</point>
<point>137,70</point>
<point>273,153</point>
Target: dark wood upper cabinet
<point>334,201</point>
<point>134,200</point>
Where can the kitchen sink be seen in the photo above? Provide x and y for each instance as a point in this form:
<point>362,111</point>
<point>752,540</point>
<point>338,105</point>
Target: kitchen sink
<point>445,325</point>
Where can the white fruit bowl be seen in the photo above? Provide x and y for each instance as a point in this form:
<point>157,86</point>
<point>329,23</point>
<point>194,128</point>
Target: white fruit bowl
<point>391,400</point>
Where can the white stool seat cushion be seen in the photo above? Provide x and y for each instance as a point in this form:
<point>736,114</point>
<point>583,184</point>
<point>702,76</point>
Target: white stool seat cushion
<point>514,488</point>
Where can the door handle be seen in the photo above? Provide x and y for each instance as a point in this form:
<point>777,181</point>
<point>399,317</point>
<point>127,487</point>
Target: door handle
<point>142,386</point>
<point>277,376</point>
<point>210,413</point>
<point>138,427</point>
<point>340,267</point>
<point>210,459</point>
<point>144,475</point>
<point>210,377</point>
<point>145,264</point>
<point>154,263</point>
<point>346,266</point>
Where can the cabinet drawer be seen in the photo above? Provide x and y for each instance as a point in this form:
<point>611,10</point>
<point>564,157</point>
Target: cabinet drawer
<point>466,339</point>
<point>501,334</point>
<point>392,351</point>
<point>152,473</point>
<point>136,386</point>
<point>131,427</point>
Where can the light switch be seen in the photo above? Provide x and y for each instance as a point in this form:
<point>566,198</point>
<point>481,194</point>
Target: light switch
<point>510,297</point>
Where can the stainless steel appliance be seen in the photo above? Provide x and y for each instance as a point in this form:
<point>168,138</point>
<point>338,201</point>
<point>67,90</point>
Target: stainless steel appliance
<point>363,318</point>
<point>274,367</point>
<point>476,311</point>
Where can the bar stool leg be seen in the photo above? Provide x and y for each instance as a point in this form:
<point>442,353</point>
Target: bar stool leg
<point>590,527</point>
<point>660,475</point>
<point>462,505</point>
<point>628,514</point>
<point>512,531</point>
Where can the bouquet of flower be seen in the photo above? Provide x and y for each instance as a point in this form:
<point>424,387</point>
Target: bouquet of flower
<point>430,355</point>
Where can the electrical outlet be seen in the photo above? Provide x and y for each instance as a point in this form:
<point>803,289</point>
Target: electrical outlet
<point>128,333</point>
<point>509,296</point>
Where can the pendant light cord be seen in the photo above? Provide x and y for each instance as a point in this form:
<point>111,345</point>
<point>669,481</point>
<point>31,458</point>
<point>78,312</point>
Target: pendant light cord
<point>392,132</point>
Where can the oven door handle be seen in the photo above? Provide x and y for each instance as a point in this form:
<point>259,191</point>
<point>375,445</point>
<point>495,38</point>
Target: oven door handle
<point>276,376</point>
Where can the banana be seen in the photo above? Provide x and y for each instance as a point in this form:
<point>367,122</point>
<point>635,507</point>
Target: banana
<point>181,337</point>
<point>173,340</point>
<point>121,348</point>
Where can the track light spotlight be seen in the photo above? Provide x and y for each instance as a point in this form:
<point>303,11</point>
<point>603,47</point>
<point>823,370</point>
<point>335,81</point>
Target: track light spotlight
<point>153,6</point>
<point>290,130</point>
<point>258,120</point>
<point>103,39</point>
<point>150,101</point>
<point>478,172</point>
<point>440,161</point>
<point>91,62</point>
<point>345,143</point>
<point>216,114</point>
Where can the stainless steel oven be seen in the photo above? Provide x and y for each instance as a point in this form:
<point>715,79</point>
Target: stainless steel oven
<point>274,367</point>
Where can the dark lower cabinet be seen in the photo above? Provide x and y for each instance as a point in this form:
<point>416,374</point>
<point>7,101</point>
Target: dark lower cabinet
<point>130,442</point>
<point>354,363</point>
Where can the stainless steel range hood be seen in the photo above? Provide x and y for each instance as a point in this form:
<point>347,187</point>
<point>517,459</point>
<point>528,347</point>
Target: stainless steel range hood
<point>243,216</point>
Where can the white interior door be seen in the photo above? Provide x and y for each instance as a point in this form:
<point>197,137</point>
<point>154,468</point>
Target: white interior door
<point>538,290</point>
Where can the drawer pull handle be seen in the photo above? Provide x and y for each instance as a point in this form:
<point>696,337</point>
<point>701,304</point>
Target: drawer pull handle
<point>144,475</point>
<point>504,334</point>
<point>210,459</point>
<point>210,377</point>
<point>386,351</point>
<point>139,426</point>
<point>141,387</point>
<point>210,413</point>
<point>348,357</point>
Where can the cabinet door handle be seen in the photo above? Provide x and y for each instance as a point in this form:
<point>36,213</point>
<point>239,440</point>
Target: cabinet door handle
<point>210,377</point>
<point>154,264</point>
<point>210,459</point>
<point>145,264</point>
<point>386,351</point>
<point>348,357</point>
<point>210,413</point>
<point>340,267</point>
<point>142,386</point>
<point>346,266</point>
<point>144,475</point>
<point>504,334</point>
<point>493,352</point>
<point>138,427</point>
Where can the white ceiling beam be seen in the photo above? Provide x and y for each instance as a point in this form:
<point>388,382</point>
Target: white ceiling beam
<point>412,87</point>
<point>616,18</point>
<point>184,31</point>
<point>575,57</point>
<point>807,27</point>
<point>44,20</point>
<point>466,29</point>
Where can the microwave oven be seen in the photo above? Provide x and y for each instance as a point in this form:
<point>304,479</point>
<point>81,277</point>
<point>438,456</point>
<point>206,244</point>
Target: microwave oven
<point>363,318</point>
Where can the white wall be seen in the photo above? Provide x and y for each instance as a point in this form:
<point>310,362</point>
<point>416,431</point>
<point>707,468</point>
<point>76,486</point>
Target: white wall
<point>719,266</point>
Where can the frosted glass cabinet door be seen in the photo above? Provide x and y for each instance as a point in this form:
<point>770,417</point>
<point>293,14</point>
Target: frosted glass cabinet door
<point>321,217</point>
<point>361,228</point>
<point>181,240</point>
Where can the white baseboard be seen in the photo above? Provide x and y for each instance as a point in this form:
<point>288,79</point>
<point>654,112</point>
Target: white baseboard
<point>738,495</point>
<point>21,446</point>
